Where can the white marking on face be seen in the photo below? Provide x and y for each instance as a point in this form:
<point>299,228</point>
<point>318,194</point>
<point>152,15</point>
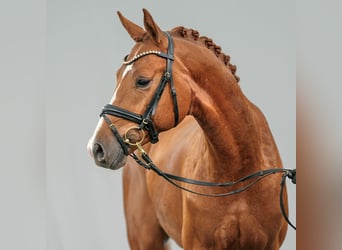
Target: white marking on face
<point>92,139</point>
<point>100,122</point>
<point>127,69</point>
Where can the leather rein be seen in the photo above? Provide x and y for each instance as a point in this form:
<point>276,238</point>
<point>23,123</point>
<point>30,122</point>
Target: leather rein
<point>145,122</point>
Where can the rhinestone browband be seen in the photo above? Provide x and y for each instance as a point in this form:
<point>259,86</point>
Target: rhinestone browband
<point>136,57</point>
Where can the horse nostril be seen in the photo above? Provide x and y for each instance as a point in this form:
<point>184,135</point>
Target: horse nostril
<point>99,153</point>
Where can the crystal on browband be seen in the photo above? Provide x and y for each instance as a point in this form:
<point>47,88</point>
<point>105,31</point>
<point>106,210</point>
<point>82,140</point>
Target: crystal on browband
<point>136,57</point>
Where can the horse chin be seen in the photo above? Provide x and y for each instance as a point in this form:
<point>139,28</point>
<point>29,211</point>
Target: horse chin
<point>119,161</point>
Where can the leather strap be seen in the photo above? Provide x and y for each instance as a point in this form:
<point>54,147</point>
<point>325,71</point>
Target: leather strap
<point>147,163</point>
<point>116,134</point>
<point>145,120</point>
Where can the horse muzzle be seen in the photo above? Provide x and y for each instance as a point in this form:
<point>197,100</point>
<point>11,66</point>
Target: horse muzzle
<point>108,155</point>
<point>108,159</point>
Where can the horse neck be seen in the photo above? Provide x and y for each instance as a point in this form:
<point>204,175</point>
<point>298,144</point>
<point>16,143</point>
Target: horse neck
<point>236,132</point>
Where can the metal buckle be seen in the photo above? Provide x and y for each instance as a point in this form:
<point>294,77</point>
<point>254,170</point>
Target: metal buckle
<point>140,148</point>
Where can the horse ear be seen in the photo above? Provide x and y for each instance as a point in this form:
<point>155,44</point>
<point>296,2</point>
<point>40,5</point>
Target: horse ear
<point>153,29</point>
<point>134,30</point>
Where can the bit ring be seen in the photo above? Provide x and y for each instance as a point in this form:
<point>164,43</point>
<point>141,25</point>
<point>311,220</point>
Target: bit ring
<point>127,140</point>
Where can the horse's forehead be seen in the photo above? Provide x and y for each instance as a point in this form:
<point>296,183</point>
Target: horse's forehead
<point>127,68</point>
<point>142,61</point>
<point>137,66</point>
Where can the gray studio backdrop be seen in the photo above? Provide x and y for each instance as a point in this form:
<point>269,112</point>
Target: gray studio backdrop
<point>22,125</point>
<point>85,46</point>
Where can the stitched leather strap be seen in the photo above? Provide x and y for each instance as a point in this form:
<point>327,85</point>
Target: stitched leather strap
<point>145,120</point>
<point>116,134</point>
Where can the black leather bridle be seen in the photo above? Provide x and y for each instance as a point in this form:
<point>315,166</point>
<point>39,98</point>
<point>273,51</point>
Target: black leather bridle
<point>144,121</point>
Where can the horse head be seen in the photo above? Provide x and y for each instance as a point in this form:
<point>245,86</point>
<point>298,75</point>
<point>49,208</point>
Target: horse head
<point>144,102</point>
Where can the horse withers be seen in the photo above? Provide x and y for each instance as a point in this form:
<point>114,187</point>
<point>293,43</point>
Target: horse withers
<point>177,98</point>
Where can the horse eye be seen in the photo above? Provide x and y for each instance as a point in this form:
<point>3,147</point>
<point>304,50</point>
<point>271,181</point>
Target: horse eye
<point>142,83</point>
<point>125,58</point>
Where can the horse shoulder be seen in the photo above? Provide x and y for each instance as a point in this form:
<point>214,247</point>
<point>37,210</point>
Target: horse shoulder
<point>171,154</point>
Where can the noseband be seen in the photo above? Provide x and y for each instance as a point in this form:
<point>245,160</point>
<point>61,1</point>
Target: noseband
<point>144,121</point>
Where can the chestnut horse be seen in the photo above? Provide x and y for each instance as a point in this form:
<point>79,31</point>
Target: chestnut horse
<point>208,131</point>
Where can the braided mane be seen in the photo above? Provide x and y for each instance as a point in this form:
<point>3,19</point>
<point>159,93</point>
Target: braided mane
<point>194,35</point>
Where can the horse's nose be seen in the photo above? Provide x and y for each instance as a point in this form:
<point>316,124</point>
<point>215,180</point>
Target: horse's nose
<point>99,153</point>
